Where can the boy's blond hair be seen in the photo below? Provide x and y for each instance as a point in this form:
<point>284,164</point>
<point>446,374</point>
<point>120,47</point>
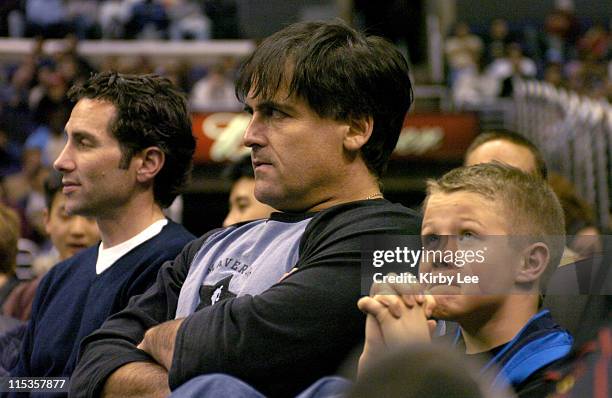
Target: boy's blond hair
<point>532,208</point>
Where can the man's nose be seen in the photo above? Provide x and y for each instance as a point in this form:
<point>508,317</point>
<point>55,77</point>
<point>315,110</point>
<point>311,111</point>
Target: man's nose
<point>64,163</point>
<point>254,135</point>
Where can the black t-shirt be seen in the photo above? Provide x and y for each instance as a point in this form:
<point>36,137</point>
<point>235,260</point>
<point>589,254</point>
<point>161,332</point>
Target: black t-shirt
<point>279,338</point>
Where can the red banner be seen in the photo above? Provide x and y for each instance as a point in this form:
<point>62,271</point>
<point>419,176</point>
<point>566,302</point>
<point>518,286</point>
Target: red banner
<point>427,137</point>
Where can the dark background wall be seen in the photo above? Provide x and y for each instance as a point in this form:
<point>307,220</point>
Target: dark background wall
<point>260,18</point>
<point>520,12</point>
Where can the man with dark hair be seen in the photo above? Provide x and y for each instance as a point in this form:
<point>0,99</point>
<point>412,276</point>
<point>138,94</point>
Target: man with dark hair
<point>243,205</point>
<point>128,152</point>
<point>147,112</point>
<point>507,147</point>
<point>272,301</point>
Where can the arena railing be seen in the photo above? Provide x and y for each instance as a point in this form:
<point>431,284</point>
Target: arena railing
<point>575,134</point>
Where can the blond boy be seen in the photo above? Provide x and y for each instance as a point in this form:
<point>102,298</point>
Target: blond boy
<point>517,220</point>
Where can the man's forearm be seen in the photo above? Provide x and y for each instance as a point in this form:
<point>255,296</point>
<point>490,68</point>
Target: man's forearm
<point>159,342</point>
<point>137,379</point>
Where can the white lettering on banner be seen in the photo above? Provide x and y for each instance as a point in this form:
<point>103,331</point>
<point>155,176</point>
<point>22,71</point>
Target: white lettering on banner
<point>226,130</point>
<point>214,124</point>
<point>417,141</point>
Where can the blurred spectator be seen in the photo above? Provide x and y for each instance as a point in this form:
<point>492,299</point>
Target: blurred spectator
<point>463,50</point>
<point>24,191</point>
<point>127,65</point>
<point>497,40</point>
<point>595,44</point>
<point>49,139</point>
<point>48,18</point>
<point>507,147</point>
<point>9,235</point>
<point>148,20</point>
<point>588,74</point>
<point>177,73</point>
<point>113,14</point>
<point>243,206</point>
<point>68,68</point>
<point>82,67</point>
<point>559,35</point>
<point>514,64</point>
<point>38,56</point>
<point>9,153</point>
<point>473,87</point>
<point>588,77</point>
<point>49,95</point>
<point>553,74</point>
<point>581,230</point>
<point>214,92</point>
<point>27,249</point>
<point>14,105</point>
<point>142,66</point>
<point>34,205</point>
<point>187,22</point>
<point>69,234</point>
<point>572,27</point>
<point>82,14</point>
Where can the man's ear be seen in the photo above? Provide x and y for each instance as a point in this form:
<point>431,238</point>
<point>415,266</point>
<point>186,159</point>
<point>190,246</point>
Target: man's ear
<point>535,259</point>
<point>358,133</point>
<point>150,162</point>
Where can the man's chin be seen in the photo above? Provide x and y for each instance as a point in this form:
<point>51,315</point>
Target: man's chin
<point>268,196</point>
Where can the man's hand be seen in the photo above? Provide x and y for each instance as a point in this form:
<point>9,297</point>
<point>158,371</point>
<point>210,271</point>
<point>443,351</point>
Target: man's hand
<point>159,342</point>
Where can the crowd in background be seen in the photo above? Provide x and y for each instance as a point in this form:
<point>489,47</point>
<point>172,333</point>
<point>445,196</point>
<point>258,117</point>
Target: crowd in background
<point>563,52</point>
<point>34,107</point>
<point>120,19</point>
<point>34,110</point>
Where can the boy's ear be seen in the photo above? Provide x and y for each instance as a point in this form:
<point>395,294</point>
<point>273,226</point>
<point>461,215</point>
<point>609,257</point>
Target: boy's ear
<point>535,259</point>
<point>150,162</point>
<point>358,133</point>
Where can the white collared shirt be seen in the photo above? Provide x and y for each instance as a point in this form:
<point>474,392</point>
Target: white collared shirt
<point>107,257</point>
